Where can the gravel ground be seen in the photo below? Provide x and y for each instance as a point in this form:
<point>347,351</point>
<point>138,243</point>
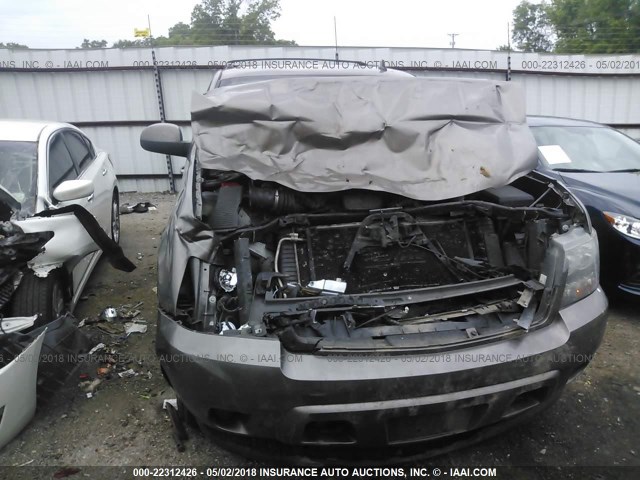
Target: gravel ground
<point>595,423</point>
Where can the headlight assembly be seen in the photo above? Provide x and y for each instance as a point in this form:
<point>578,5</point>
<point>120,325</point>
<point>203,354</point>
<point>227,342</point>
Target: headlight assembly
<point>626,225</point>
<point>582,262</point>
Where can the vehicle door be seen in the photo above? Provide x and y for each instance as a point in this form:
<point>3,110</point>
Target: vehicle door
<point>69,158</point>
<point>89,167</point>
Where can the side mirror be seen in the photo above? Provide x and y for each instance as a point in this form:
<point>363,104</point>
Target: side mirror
<point>164,138</point>
<point>73,190</point>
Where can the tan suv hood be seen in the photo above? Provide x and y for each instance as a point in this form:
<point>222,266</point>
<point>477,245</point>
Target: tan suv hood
<point>423,138</point>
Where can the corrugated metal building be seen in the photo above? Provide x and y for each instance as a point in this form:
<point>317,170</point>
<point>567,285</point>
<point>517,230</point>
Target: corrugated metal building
<point>112,93</point>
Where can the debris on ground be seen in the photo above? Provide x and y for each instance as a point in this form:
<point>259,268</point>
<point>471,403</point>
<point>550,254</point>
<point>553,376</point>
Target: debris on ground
<point>109,314</point>
<point>104,361</point>
<point>111,328</point>
<point>97,348</point>
<point>111,318</point>
<point>142,207</point>
<point>130,311</point>
<point>90,386</point>
<point>179,433</point>
<point>135,327</point>
<point>128,373</point>
<point>170,401</point>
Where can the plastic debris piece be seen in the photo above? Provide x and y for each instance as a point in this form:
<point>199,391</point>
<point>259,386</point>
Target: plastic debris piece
<point>171,401</point>
<point>131,327</point>
<point>98,347</point>
<point>130,311</point>
<point>111,328</point>
<point>143,207</point>
<point>16,324</point>
<point>90,386</point>
<point>128,373</point>
<point>125,209</point>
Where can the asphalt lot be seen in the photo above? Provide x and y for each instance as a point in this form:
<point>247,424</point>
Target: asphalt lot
<point>595,423</point>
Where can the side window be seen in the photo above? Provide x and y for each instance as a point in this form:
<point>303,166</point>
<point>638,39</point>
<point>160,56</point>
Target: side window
<point>79,150</point>
<point>61,166</point>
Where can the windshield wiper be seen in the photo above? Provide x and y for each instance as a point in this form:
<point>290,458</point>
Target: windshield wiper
<point>624,170</point>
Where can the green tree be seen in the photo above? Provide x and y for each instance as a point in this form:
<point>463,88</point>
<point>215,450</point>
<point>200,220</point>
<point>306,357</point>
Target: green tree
<point>12,45</point>
<point>596,26</point>
<point>222,22</point>
<point>532,30</point>
<point>577,26</point>
<point>86,43</point>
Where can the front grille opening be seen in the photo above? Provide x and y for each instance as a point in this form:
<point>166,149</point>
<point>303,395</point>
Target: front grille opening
<point>527,400</point>
<point>228,419</point>
<point>329,432</point>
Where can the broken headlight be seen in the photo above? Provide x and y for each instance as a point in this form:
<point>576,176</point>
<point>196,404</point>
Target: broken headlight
<point>582,261</point>
<point>626,225</point>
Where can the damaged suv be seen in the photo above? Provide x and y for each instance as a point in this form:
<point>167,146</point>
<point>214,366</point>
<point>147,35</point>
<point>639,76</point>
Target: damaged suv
<point>369,260</point>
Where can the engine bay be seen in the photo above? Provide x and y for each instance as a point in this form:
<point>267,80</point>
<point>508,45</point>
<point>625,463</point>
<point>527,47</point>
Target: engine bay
<point>366,269</point>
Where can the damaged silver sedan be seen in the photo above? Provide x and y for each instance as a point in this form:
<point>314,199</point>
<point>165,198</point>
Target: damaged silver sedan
<point>58,215</point>
<point>52,167</point>
<point>369,261</point>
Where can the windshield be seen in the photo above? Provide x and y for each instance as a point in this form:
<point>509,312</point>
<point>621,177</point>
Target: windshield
<point>594,149</point>
<point>18,171</point>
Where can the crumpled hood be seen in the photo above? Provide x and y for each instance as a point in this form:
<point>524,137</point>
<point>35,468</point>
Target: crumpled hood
<point>427,139</point>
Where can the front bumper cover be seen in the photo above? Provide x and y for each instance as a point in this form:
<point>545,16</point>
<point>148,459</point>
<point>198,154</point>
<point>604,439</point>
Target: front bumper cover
<point>250,386</point>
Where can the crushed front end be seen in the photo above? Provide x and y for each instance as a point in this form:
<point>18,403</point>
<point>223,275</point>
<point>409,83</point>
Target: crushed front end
<point>373,319</point>
<point>376,310</point>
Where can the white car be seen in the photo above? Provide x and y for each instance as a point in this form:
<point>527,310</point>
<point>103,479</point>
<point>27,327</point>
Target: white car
<point>44,167</point>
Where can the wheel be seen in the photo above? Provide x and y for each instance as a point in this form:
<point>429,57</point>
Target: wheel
<point>115,217</point>
<point>42,296</point>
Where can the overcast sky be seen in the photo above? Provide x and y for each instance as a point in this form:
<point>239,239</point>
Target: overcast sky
<point>395,23</point>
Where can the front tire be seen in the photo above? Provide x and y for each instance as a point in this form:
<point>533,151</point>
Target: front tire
<point>115,217</point>
<point>41,296</point>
